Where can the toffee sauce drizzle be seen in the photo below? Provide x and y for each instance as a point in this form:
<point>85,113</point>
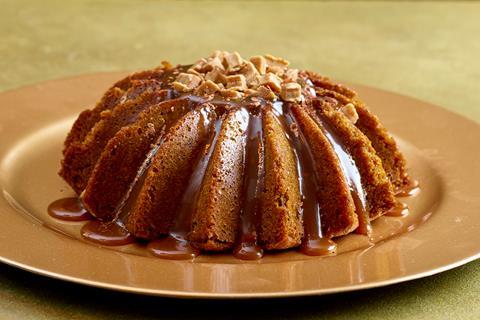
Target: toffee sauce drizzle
<point>114,233</point>
<point>68,209</point>
<point>409,190</point>
<point>399,210</point>
<point>247,247</point>
<point>313,243</point>
<point>351,174</point>
<point>175,246</point>
<point>106,233</point>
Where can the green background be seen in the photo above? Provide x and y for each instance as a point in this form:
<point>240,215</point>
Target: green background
<point>429,50</point>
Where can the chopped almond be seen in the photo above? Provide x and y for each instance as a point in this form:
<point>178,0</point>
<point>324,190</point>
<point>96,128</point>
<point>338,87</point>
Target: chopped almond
<point>195,72</point>
<point>260,63</point>
<point>350,112</point>
<point>291,75</point>
<point>291,92</point>
<point>279,71</point>
<point>271,80</point>
<point>207,88</point>
<point>266,93</point>
<point>214,63</point>
<point>233,60</point>
<point>231,94</point>
<point>237,82</point>
<point>275,61</point>
<point>167,65</point>
<point>186,82</point>
<point>200,65</point>
<point>251,74</point>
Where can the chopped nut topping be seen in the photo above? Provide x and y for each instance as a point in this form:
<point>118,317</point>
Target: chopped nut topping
<point>279,71</point>
<point>200,65</point>
<point>216,75</point>
<point>237,82</point>
<point>229,75</point>
<point>272,80</point>
<point>233,60</point>
<point>167,65</point>
<point>214,63</point>
<point>350,112</point>
<point>276,62</point>
<point>291,92</point>
<point>251,92</point>
<point>207,88</point>
<point>186,82</point>
<point>251,73</point>
<point>180,87</point>
<point>231,94</point>
<point>266,93</point>
<point>195,72</point>
<point>260,64</point>
<point>291,75</point>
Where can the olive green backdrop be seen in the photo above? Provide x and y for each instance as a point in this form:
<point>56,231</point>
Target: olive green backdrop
<point>429,50</point>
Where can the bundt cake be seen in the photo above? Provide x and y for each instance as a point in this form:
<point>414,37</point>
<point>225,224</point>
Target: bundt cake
<point>234,155</point>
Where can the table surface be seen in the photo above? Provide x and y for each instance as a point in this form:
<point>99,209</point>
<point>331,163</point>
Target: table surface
<point>428,50</point>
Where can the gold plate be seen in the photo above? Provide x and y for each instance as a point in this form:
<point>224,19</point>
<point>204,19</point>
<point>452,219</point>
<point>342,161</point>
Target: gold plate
<point>441,231</point>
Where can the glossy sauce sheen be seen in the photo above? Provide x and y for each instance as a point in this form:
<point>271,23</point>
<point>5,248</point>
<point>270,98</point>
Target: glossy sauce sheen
<point>106,233</point>
<point>246,247</point>
<point>173,248</point>
<point>313,242</point>
<point>399,210</point>
<point>68,209</point>
<point>176,245</point>
<point>409,190</point>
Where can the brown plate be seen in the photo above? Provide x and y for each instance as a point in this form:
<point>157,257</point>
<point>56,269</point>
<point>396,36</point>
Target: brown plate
<point>441,231</point>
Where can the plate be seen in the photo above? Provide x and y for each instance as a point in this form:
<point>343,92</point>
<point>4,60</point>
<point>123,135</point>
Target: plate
<point>441,231</point>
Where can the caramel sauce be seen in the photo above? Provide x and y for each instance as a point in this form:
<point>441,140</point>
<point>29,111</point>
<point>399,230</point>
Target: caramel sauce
<point>246,247</point>
<point>106,233</point>
<point>399,210</point>
<point>318,247</point>
<point>409,190</point>
<point>352,175</point>
<point>172,247</point>
<point>248,251</point>
<point>364,224</point>
<point>68,209</point>
<point>308,183</point>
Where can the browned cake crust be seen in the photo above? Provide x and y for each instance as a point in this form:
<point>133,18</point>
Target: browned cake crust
<point>161,194</point>
<point>87,119</point>
<point>126,151</point>
<point>120,90</point>
<point>80,158</point>
<point>338,216</point>
<point>154,74</point>
<point>393,161</point>
<point>326,83</point>
<point>379,191</point>
<point>280,223</point>
<point>216,217</point>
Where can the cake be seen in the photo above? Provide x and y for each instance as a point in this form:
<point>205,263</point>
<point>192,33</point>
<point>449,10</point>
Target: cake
<point>233,154</point>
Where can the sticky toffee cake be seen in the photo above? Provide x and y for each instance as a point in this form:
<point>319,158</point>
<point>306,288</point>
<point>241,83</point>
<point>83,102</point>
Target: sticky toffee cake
<point>231,155</point>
